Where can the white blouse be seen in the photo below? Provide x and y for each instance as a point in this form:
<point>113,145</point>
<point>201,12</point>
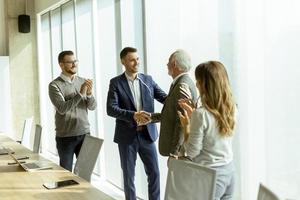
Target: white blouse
<point>205,145</point>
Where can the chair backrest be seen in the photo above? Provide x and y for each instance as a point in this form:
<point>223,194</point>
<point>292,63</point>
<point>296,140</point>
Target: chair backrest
<point>265,193</point>
<point>187,180</point>
<point>25,141</point>
<point>37,138</point>
<point>87,157</point>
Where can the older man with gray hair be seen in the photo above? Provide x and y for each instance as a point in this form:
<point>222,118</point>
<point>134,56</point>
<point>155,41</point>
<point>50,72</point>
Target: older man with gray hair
<point>182,87</point>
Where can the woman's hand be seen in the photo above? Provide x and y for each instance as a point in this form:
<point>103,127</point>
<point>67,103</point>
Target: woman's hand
<point>188,108</point>
<point>187,105</point>
<point>185,123</point>
<point>184,118</point>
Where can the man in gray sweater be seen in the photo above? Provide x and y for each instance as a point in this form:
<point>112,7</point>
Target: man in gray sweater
<point>72,97</point>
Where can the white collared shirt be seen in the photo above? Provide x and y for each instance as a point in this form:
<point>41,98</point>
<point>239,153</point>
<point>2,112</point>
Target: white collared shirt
<point>177,77</point>
<point>134,85</point>
<point>205,144</point>
<point>66,78</point>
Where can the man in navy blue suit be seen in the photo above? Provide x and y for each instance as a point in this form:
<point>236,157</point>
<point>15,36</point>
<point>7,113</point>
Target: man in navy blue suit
<point>130,100</point>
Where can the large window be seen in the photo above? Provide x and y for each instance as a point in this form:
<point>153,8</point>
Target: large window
<point>66,27</point>
<point>120,24</point>
<point>46,75</point>
<point>257,45</point>
<point>96,38</point>
<point>55,38</point>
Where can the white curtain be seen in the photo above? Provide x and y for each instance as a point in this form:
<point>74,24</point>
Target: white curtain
<point>266,38</point>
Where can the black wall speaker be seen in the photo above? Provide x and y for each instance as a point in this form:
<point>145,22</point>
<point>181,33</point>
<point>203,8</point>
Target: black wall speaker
<point>24,23</point>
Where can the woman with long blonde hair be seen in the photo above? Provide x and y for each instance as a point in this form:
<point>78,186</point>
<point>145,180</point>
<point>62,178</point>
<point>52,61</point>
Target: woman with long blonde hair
<point>209,128</point>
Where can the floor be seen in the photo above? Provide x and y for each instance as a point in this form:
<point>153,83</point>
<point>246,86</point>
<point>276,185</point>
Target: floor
<point>108,188</point>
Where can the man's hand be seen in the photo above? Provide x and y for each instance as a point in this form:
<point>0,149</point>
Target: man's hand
<point>89,84</point>
<point>83,89</point>
<point>86,87</point>
<point>142,118</point>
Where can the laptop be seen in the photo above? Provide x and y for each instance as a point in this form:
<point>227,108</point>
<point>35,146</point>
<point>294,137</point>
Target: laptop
<point>31,166</point>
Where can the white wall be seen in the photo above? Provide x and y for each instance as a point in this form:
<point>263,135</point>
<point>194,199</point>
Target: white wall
<point>3,39</point>
<point>5,103</point>
<point>23,66</point>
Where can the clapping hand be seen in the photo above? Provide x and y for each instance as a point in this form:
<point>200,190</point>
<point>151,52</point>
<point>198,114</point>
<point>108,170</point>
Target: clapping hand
<point>89,85</point>
<point>188,108</point>
<point>187,105</point>
<point>86,87</point>
<point>184,118</point>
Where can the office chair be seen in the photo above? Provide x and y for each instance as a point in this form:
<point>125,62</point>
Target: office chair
<point>189,181</point>
<point>87,157</point>
<point>37,138</point>
<point>25,139</point>
<point>265,193</point>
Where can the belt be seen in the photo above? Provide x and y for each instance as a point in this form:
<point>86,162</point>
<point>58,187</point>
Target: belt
<point>140,128</point>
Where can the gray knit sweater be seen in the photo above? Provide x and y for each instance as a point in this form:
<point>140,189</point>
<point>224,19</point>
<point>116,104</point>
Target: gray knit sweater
<point>71,116</point>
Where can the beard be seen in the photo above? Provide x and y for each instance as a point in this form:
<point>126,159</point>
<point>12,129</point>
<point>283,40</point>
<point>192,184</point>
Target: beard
<point>72,70</point>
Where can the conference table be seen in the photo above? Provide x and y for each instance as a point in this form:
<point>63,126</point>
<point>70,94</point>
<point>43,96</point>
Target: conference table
<point>18,184</point>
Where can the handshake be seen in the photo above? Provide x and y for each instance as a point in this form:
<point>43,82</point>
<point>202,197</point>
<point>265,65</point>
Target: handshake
<point>142,118</point>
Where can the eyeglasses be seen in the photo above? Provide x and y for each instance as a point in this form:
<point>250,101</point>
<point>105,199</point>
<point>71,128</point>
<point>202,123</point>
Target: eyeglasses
<point>75,62</point>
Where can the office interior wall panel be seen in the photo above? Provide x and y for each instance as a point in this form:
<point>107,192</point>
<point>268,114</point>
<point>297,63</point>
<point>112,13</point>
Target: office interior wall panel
<point>23,67</point>
<point>3,39</point>
<point>5,100</point>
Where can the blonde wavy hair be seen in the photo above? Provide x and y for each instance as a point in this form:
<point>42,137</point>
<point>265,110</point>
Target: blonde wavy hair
<point>216,95</point>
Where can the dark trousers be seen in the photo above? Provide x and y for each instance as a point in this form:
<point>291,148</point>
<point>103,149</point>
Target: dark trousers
<point>66,148</point>
<point>147,152</point>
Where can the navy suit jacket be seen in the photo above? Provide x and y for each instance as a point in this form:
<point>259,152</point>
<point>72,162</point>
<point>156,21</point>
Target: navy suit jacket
<point>120,105</point>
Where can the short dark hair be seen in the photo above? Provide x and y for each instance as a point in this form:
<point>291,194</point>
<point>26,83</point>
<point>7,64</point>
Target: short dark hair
<point>127,50</point>
<point>62,55</point>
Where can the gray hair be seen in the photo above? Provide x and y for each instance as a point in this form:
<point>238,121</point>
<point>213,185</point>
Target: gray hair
<point>182,59</point>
